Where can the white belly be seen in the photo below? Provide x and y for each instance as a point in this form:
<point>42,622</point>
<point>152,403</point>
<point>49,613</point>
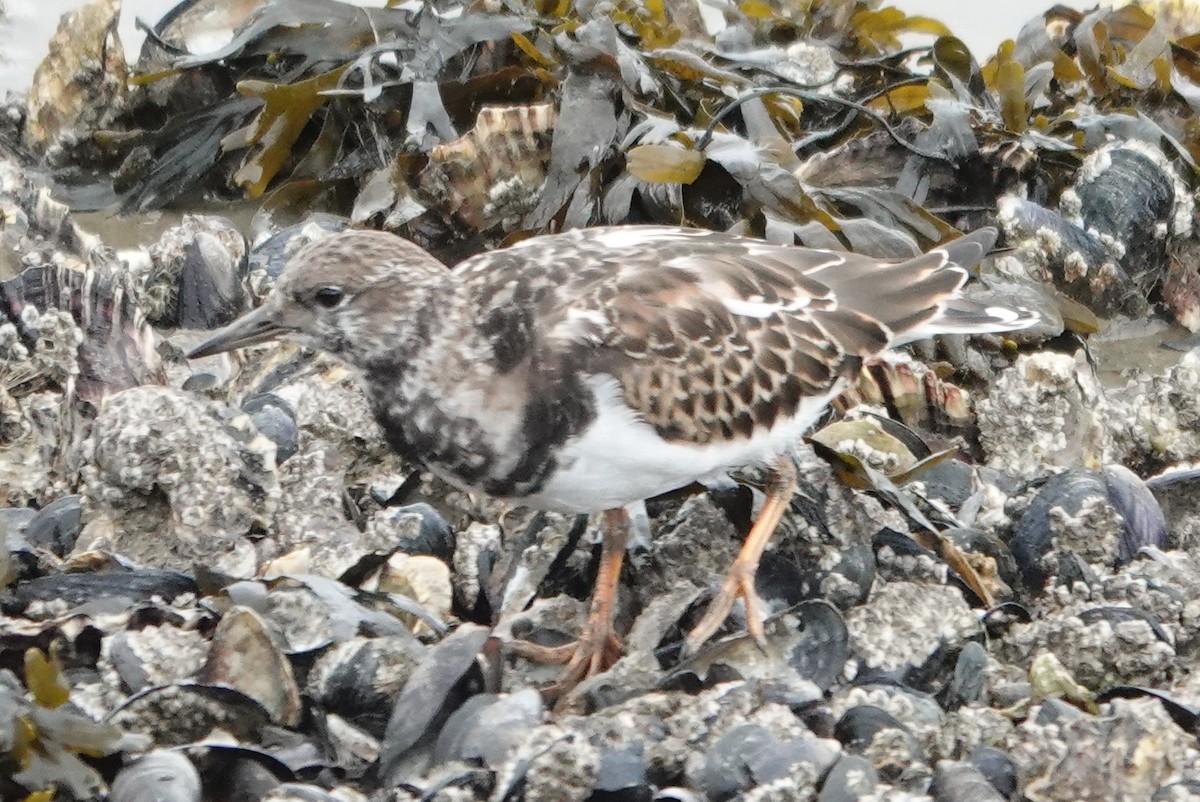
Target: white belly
<point>620,459</point>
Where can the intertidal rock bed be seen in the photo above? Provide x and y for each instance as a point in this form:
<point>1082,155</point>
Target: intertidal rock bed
<point>219,582</point>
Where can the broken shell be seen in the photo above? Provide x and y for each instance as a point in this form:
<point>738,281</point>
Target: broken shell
<point>246,655</point>
<point>358,678</point>
<point>492,175</point>
<point>488,727</point>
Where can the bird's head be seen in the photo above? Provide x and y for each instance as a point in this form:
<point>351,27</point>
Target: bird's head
<point>356,294</point>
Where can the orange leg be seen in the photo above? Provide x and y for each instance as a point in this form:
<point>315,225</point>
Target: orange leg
<point>739,582</point>
<point>598,646</point>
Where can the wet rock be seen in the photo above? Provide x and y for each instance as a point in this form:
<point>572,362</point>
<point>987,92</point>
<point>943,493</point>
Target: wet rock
<point>998,768</point>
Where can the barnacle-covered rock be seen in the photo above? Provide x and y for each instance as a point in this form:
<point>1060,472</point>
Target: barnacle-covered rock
<point>169,476</point>
<point>1098,645</point>
<point>1046,410</point>
<point>900,625</point>
<point>1126,754</point>
<point>1165,586</point>
<point>1156,418</point>
<point>156,655</point>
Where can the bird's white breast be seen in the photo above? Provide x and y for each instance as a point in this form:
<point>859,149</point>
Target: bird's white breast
<point>620,459</point>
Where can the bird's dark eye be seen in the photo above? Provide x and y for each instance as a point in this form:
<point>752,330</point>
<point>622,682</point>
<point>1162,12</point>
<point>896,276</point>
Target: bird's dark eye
<point>329,297</point>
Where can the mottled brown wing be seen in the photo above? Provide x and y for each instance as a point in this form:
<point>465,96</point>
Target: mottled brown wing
<point>711,336</point>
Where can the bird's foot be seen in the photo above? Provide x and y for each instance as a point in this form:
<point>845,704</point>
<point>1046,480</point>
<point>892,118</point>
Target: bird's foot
<point>597,648</point>
<point>738,584</point>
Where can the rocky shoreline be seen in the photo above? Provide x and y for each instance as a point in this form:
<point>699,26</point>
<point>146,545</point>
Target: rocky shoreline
<point>220,583</point>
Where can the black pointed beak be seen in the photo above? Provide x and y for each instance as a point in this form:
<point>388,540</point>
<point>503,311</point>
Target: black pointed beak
<point>252,328</point>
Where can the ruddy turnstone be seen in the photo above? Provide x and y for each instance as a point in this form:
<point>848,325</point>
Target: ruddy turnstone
<point>588,370</point>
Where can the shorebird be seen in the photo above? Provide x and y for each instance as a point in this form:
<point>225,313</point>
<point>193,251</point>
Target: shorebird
<point>591,369</point>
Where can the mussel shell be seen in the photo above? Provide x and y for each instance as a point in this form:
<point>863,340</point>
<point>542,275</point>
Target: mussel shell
<point>56,526</point>
<point>1102,284</point>
<point>429,689</point>
<point>487,727</point>
<point>999,769</point>
<point>1144,522</point>
<point>269,256</point>
<point>851,778</point>
<point>959,781</point>
<point>1127,197</point>
<point>731,762</point>
<point>358,679</point>
<point>622,777</point>
<point>159,776</point>
<point>824,645</point>
<point>142,584</point>
<point>1116,615</point>
<point>969,682</point>
<point>274,418</point>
